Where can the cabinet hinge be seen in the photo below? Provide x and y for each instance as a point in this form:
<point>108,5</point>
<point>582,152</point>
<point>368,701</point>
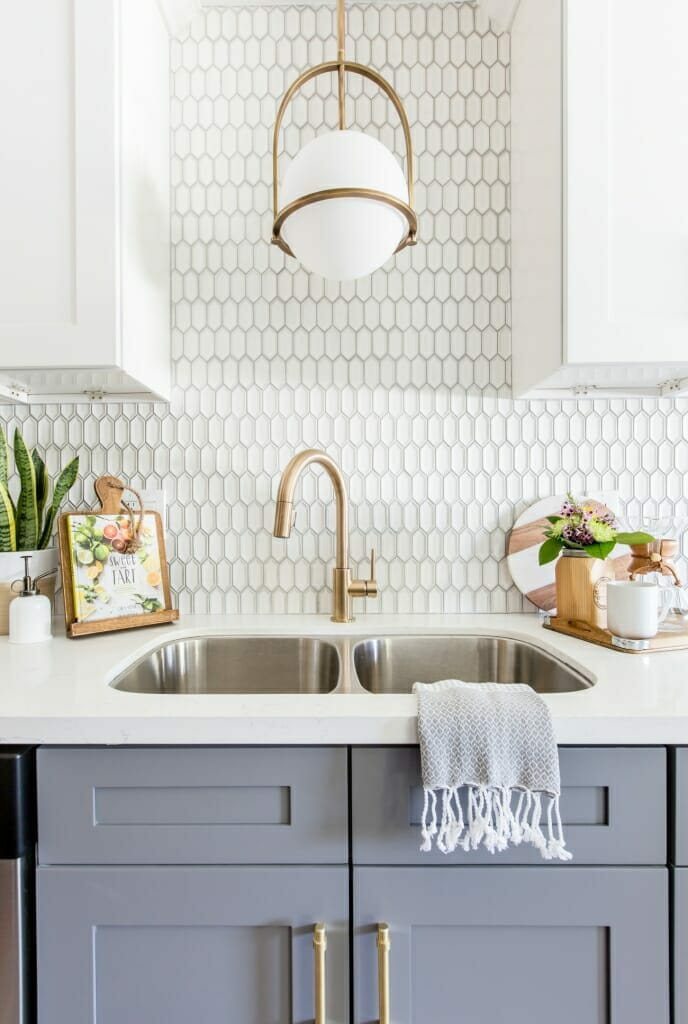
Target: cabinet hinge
<point>674,386</point>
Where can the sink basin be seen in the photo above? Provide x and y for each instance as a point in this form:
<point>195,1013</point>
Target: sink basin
<point>225,664</point>
<point>393,664</point>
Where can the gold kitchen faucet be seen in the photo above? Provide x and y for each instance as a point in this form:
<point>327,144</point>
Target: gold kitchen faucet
<point>344,588</point>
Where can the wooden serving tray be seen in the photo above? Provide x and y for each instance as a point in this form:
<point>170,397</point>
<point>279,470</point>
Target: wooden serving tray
<point>603,638</point>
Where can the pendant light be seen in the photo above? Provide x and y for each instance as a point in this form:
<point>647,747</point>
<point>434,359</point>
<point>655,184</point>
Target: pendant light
<point>344,206</point>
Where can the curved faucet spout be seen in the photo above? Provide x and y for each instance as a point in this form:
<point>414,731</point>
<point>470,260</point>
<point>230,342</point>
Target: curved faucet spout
<point>284,511</point>
<point>344,588</point>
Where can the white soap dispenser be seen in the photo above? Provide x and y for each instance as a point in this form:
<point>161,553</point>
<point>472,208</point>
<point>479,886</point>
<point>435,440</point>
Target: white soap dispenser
<point>30,612</point>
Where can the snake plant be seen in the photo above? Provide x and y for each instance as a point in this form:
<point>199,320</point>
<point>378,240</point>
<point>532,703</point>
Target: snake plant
<point>27,525</point>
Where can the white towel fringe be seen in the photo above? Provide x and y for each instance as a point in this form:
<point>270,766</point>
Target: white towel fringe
<point>491,821</point>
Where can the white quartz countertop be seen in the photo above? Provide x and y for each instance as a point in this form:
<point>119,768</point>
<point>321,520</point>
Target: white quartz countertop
<point>59,692</point>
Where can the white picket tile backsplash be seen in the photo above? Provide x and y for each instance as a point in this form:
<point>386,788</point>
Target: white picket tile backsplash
<point>404,378</point>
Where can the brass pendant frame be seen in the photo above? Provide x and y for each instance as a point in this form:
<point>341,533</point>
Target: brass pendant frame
<point>341,67</point>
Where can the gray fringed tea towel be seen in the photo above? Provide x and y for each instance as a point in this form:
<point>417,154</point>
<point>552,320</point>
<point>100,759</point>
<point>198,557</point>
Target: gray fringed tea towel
<point>496,740</point>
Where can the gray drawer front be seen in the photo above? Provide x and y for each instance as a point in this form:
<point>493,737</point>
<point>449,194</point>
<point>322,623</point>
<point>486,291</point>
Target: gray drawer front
<point>613,807</point>
<point>680,853</point>
<point>273,805</point>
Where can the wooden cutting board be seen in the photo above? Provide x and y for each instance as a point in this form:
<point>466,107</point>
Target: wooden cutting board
<point>526,536</point>
<point>603,638</point>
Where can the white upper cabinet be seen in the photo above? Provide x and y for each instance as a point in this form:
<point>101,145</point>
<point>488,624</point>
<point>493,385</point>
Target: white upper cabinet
<point>84,203</point>
<point>600,197</point>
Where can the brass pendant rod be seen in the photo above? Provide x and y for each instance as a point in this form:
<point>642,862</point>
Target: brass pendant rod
<point>351,68</point>
<point>341,60</point>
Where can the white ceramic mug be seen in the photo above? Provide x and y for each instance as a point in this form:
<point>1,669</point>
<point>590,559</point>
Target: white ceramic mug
<point>634,609</point>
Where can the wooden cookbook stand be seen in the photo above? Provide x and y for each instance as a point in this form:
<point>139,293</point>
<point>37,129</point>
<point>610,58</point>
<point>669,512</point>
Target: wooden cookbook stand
<point>110,491</point>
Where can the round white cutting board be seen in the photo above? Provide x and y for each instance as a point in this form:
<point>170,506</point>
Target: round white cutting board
<point>527,534</point>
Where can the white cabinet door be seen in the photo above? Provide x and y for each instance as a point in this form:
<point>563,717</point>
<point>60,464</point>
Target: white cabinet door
<point>599,204</point>
<point>57,203</point>
<point>626,87</point>
<point>84,203</point>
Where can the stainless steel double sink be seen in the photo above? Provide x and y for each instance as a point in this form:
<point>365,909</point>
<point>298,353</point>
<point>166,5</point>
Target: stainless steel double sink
<point>382,665</point>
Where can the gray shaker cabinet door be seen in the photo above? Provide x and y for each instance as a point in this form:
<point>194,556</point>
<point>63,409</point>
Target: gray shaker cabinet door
<point>173,945</point>
<point>681,946</point>
<point>514,945</point>
<point>680,854</point>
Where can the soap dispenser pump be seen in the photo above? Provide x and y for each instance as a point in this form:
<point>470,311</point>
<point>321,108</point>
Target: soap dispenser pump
<point>30,612</point>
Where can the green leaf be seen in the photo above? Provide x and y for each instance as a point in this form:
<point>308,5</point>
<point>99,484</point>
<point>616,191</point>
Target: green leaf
<point>64,482</point>
<point>549,551</point>
<point>42,484</point>
<point>634,538</point>
<point>600,549</point>
<point>5,469</point>
<point>8,528</point>
<point>553,519</point>
<point>27,509</point>
<point>4,458</point>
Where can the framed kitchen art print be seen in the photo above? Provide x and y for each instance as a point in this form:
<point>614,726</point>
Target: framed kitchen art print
<point>114,572</point>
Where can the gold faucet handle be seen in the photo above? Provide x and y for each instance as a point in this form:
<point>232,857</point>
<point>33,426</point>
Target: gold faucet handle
<point>365,588</point>
<point>372,582</point>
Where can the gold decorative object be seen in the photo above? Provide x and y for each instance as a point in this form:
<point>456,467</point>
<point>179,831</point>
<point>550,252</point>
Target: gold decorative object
<point>403,205</point>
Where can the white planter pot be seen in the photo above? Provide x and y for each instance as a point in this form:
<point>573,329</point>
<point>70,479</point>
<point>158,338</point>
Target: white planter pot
<point>12,564</point>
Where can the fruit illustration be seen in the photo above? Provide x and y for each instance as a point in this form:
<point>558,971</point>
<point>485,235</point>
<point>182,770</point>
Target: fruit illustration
<point>98,540</point>
<point>92,544</point>
<point>148,604</point>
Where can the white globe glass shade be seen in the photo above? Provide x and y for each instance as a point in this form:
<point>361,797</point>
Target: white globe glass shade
<point>342,239</point>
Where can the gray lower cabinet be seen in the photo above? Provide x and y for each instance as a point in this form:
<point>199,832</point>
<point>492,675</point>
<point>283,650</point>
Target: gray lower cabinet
<point>184,886</point>
<point>196,945</point>
<point>515,945</point>
<point>680,945</point>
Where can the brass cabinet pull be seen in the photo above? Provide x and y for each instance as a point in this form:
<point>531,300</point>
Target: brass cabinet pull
<point>319,946</point>
<point>383,946</point>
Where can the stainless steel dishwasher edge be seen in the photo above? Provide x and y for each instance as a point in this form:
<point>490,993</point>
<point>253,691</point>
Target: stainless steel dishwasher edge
<point>17,878</point>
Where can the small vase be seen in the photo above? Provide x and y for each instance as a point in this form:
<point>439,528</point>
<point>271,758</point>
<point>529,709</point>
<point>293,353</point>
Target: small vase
<point>582,587</point>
